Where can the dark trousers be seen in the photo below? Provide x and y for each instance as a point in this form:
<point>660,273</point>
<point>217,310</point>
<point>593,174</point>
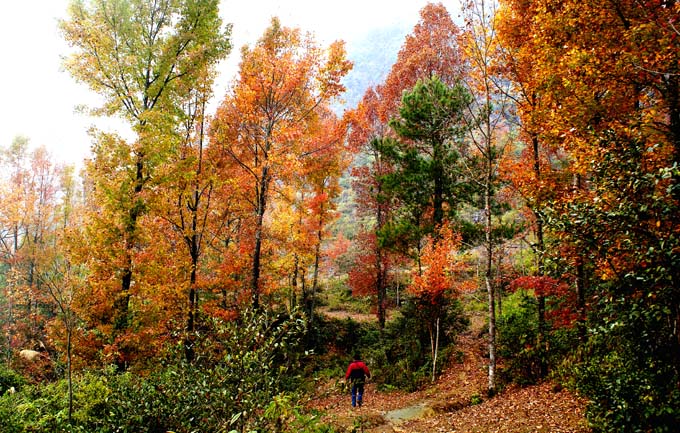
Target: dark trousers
<point>357,392</point>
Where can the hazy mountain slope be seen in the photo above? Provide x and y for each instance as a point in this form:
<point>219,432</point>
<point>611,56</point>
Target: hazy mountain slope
<point>373,54</point>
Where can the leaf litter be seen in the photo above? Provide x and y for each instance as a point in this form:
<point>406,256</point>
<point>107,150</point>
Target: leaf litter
<point>447,405</point>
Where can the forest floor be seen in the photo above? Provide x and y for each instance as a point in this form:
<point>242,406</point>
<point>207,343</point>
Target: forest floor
<point>456,402</point>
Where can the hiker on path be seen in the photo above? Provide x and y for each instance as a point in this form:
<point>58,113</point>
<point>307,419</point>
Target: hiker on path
<point>357,373</point>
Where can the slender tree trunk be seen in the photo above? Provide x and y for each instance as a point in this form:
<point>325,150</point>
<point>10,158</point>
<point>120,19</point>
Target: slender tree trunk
<point>193,298</point>
<point>294,282</point>
<point>542,339</point>
<point>10,322</point>
<point>382,292</point>
<point>492,333</point>
<point>580,280</point>
<point>581,301</point>
<point>488,277</point>
<point>315,277</point>
<point>69,332</point>
<point>540,262</point>
<point>122,321</point>
<point>381,268</point>
<point>438,202</point>
<point>435,350</point>
<point>259,228</point>
<point>194,247</point>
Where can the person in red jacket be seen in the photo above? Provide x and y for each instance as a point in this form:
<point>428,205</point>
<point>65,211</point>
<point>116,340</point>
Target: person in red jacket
<point>357,373</point>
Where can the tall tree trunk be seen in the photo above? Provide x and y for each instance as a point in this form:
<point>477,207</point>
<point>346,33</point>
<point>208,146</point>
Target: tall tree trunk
<point>257,250</point>
<point>122,302</point>
<point>488,275</point>
<point>381,287</point>
<point>315,277</point>
<point>542,338</point>
<point>539,250</point>
<point>69,332</point>
<point>294,282</point>
<point>438,177</point>
<point>580,279</point>
<point>381,266</point>
<point>581,301</point>
<point>434,342</point>
<point>194,246</point>
<point>193,301</point>
<point>492,328</point>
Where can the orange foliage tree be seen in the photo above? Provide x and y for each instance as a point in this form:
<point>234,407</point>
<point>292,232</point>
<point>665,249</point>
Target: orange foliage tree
<point>443,277</point>
<point>605,81</point>
<point>28,221</point>
<point>263,126</point>
<point>489,136</point>
<point>538,172</point>
<point>431,49</point>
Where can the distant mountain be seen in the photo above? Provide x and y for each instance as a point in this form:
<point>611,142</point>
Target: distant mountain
<point>373,55</point>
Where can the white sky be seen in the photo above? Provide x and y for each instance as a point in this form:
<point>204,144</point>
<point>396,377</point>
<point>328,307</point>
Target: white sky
<point>38,99</point>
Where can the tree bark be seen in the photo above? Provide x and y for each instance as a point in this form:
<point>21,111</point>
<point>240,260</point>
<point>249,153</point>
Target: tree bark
<point>315,277</point>
<point>257,250</point>
<point>488,239</point>
<point>69,332</point>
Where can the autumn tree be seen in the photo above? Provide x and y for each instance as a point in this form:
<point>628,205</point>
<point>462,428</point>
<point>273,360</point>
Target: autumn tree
<point>431,49</point>
<point>144,59</point>
<point>322,174</point>
<point>611,87</point>
<point>440,280</point>
<point>538,169</point>
<point>305,209</point>
<point>370,273</point>
<point>262,126</point>
<point>488,136</point>
<point>193,202</point>
<point>30,186</point>
<point>62,278</point>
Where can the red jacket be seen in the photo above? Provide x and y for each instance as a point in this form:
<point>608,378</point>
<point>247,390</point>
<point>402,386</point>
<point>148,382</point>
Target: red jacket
<point>357,370</point>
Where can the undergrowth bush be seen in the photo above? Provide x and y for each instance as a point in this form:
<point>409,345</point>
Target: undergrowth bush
<point>628,368</point>
<point>10,379</point>
<point>244,378</point>
<point>518,344</point>
<point>517,339</point>
<point>398,357</point>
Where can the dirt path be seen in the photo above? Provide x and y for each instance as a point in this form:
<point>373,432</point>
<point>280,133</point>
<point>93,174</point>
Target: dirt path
<point>447,406</point>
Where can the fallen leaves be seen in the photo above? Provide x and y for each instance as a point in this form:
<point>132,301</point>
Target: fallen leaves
<point>543,408</point>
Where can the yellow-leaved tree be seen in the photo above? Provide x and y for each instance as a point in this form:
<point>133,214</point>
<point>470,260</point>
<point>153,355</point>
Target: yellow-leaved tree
<point>144,59</point>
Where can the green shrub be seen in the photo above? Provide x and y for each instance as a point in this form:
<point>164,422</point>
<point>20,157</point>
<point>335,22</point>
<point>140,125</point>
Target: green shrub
<point>258,358</point>
<point>10,379</point>
<point>518,344</point>
<point>242,368</point>
<point>42,408</point>
<point>517,339</point>
<point>629,368</point>
<point>401,357</point>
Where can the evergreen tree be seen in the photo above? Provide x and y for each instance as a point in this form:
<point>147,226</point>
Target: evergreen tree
<point>428,182</point>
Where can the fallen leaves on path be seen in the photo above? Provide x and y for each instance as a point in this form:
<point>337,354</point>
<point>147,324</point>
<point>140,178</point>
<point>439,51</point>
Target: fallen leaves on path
<point>533,409</point>
<point>542,408</point>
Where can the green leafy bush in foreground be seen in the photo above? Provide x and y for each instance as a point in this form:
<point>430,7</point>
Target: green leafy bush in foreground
<point>245,386</point>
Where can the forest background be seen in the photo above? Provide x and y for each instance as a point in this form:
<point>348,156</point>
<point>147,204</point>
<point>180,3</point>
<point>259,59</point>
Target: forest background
<point>524,160</point>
